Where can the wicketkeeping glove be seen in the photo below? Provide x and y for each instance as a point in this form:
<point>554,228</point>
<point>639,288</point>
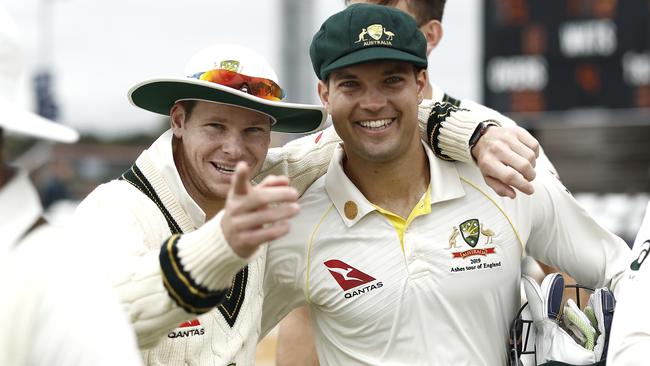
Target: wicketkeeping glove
<point>585,339</point>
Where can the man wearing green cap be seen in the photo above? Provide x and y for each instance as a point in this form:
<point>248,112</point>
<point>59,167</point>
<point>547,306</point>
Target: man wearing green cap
<point>507,156</point>
<point>397,254</point>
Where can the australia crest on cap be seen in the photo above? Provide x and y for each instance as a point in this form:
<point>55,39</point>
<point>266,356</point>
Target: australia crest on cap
<point>379,36</point>
<point>230,65</point>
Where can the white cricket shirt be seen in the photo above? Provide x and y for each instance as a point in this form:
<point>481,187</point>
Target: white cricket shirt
<point>630,335</point>
<point>448,295</point>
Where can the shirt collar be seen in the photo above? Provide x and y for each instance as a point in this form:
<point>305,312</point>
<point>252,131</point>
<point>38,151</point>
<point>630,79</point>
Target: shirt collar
<point>20,208</point>
<point>352,205</point>
<point>161,156</point>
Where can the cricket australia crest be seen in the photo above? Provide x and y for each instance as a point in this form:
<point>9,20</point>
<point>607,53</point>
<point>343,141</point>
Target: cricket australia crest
<point>379,35</point>
<point>474,258</point>
<point>470,231</point>
<point>375,31</point>
<point>230,65</point>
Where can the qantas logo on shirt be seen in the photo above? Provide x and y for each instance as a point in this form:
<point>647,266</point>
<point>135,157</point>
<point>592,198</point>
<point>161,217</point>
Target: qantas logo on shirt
<point>347,276</point>
<point>350,278</point>
<point>182,333</point>
<point>190,323</point>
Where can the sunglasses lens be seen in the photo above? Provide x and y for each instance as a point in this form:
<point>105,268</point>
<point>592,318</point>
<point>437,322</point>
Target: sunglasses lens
<point>259,87</point>
<point>266,89</point>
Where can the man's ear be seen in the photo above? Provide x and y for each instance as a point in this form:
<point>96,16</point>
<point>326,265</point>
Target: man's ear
<point>422,80</point>
<point>432,31</point>
<point>177,117</point>
<point>324,94</point>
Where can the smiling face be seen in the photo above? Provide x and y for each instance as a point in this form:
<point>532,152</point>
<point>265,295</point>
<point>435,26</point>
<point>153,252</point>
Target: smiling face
<point>211,139</point>
<point>374,108</point>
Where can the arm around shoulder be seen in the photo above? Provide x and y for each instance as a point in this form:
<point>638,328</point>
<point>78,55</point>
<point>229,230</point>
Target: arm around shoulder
<point>505,153</point>
<point>302,160</point>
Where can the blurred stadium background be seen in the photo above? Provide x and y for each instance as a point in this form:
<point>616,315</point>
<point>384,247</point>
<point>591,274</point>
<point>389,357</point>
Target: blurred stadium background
<point>576,73</point>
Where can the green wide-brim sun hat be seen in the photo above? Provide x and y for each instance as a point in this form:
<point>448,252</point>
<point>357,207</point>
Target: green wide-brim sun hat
<point>159,95</point>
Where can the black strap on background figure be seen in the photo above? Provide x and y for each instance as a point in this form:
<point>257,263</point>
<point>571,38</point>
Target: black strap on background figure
<point>181,287</point>
<point>451,100</point>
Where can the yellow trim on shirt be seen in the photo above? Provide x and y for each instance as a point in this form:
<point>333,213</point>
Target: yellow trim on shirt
<point>311,242</point>
<point>423,207</point>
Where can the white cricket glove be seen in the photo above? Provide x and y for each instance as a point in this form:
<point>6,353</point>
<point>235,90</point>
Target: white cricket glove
<point>563,332</point>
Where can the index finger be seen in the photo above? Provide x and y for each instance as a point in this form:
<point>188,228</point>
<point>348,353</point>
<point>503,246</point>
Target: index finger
<point>241,179</point>
<point>274,181</point>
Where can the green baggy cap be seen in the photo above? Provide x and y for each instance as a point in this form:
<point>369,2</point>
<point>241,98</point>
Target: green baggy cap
<point>363,33</point>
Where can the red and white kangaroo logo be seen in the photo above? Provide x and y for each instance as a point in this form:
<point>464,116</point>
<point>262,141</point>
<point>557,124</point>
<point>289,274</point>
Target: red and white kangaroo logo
<point>190,323</point>
<point>347,276</point>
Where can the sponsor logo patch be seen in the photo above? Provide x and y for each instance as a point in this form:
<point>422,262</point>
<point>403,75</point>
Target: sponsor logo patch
<point>350,278</point>
<point>190,323</point>
<point>182,333</point>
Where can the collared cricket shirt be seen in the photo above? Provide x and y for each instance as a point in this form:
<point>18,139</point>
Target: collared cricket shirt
<point>630,333</point>
<point>440,287</point>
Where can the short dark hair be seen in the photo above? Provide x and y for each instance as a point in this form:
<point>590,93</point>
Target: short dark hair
<point>424,10</point>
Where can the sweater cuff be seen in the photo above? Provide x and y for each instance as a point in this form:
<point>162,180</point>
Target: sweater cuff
<point>199,266</point>
<point>208,257</point>
<point>450,129</point>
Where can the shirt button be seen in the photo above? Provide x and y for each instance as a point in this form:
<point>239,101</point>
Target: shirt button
<point>351,210</point>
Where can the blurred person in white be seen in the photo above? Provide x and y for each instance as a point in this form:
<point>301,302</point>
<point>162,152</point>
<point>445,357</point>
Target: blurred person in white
<point>630,335</point>
<point>50,303</point>
<point>182,241</point>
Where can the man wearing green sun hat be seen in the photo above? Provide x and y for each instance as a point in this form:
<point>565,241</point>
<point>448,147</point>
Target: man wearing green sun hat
<point>175,248</point>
